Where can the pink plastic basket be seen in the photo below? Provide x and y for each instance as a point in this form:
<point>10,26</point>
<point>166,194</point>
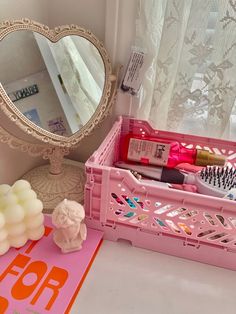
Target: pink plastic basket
<point>184,224</point>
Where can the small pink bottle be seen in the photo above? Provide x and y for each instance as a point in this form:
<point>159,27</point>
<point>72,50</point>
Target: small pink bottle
<point>163,152</point>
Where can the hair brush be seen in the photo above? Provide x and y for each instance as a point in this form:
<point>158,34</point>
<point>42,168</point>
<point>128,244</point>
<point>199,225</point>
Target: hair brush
<point>214,180</point>
<point>211,180</point>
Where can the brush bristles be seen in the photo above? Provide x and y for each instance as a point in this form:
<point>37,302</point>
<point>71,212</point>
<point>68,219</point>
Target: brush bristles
<point>223,178</point>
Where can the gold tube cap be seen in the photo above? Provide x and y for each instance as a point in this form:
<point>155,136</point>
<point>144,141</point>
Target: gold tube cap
<point>205,158</point>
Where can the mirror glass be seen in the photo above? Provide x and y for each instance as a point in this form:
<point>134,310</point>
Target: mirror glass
<point>57,86</point>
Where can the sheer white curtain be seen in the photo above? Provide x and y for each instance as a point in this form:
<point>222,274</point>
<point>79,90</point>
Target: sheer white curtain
<point>190,85</point>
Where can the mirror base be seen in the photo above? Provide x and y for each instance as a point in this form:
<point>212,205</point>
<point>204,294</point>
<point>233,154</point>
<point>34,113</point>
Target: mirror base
<point>52,189</point>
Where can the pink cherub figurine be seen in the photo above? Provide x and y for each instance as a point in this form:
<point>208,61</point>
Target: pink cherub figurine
<point>70,231</point>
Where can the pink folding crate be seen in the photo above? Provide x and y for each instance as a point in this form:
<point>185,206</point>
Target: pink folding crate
<point>184,224</point>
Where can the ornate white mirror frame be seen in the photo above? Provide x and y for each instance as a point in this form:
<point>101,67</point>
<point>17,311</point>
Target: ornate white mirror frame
<point>60,179</point>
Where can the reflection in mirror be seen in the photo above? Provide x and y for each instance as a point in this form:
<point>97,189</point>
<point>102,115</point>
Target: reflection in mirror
<point>58,86</point>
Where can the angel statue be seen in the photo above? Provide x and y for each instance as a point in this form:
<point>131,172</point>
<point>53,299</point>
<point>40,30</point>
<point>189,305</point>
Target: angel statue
<point>70,230</point>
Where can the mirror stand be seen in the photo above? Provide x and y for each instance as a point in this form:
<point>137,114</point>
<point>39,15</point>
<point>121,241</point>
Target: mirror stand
<point>60,179</point>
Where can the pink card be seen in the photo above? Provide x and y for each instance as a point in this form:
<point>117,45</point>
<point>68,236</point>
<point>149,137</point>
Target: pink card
<point>38,278</point>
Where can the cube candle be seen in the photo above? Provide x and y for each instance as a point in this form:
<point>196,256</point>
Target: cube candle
<point>21,217</point>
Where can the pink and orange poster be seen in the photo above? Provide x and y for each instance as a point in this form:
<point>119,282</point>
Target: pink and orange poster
<point>38,278</point>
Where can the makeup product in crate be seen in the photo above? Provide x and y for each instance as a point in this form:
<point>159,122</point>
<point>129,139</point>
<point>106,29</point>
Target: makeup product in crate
<point>164,152</point>
<point>183,187</point>
<point>163,174</point>
<point>211,180</point>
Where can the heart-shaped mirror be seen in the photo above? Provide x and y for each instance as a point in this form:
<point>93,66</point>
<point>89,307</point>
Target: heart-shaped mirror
<point>55,83</point>
<point>56,86</point>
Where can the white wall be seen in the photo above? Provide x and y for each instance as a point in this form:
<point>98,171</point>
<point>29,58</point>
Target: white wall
<point>89,14</point>
<point>86,13</point>
<point>15,9</point>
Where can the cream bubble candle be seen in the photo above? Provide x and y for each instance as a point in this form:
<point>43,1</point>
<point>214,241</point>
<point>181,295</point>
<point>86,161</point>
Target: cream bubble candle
<point>21,217</point>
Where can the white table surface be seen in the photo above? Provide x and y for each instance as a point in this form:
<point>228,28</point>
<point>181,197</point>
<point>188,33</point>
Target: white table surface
<point>128,280</point>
